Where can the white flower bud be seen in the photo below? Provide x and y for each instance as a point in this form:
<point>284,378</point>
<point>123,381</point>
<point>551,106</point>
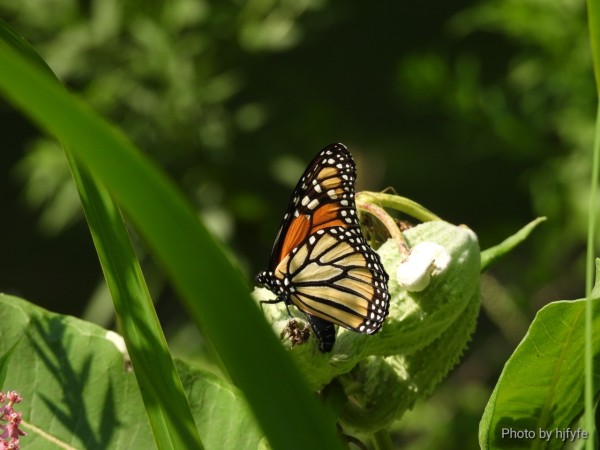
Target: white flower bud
<point>425,260</point>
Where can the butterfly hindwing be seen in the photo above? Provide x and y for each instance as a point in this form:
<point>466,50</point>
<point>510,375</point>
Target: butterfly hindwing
<point>336,276</point>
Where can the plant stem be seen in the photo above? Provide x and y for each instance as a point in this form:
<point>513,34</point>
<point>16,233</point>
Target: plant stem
<point>398,203</point>
<point>593,10</point>
<point>382,440</point>
<point>591,239</point>
<point>388,222</point>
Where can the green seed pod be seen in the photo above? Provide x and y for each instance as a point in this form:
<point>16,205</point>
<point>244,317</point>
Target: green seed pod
<point>426,331</point>
<point>429,328</point>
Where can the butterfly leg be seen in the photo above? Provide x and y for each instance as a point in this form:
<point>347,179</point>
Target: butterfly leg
<point>277,300</point>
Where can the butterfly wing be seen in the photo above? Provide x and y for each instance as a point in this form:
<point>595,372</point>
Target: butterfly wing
<point>320,261</point>
<point>324,197</point>
<point>337,277</point>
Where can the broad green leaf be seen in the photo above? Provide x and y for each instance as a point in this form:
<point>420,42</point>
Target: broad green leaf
<point>220,410</point>
<point>78,390</point>
<point>73,381</point>
<point>11,333</point>
<point>542,384</point>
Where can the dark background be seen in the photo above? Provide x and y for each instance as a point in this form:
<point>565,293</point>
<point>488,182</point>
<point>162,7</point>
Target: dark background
<point>482,111</point>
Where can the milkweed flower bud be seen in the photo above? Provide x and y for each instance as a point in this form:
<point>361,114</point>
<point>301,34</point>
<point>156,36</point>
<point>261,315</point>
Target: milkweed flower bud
<point>10,421</point>
<point>425,260</point>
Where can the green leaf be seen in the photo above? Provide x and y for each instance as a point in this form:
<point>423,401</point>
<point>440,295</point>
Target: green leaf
<point>73,382</point>
<point>212,290</point>
<point>490,255</point>
<point>77,388</point>
<point>8,35</point>
<point>221,412</point>
<point>11,332</point>
<point>542,384</point>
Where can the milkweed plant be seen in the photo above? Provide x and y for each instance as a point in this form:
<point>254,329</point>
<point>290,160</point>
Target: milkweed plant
<point>85,387</point>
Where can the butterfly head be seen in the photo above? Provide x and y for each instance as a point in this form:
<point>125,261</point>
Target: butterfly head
<point>268,280</point>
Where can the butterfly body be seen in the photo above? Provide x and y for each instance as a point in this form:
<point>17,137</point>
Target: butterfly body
<point>320,262</point>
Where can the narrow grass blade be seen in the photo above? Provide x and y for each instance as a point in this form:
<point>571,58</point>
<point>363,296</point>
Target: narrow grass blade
<point>594,28</point>
<point>213,291</point>
<point>166,405</point>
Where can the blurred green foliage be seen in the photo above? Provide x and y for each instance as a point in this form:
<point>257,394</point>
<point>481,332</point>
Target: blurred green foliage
<point>483,111</point>
<point>165,74</point>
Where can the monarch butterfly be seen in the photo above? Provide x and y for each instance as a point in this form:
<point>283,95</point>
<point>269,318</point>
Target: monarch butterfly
<point>320,262</point>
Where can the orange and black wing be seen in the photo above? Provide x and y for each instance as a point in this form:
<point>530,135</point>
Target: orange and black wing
<point>320,261</point>
<point>323,198</point>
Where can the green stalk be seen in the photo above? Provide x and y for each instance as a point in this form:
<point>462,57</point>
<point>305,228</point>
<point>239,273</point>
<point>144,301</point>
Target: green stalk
<point>382,440</point>
<point>594,29</point>
<point>387,221</point>
<point>402,204</point>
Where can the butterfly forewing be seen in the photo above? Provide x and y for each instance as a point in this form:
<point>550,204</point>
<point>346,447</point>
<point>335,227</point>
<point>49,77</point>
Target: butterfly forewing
<point>320,260</point>
<point>324,197</point>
